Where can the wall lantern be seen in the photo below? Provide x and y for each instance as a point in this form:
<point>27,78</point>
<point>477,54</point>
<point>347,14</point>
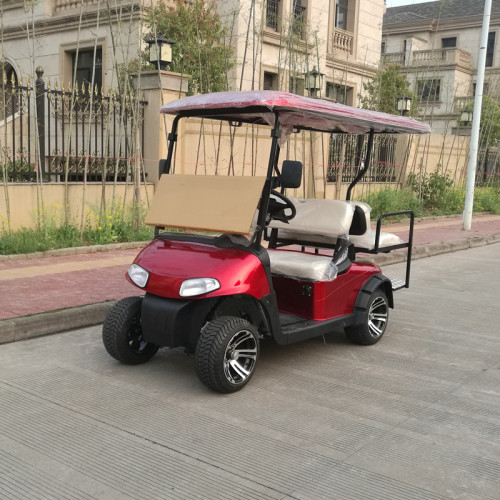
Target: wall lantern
<point>160,51</point>
<point>466,117</point>
<point>404,105</point>
<point>314,81</point>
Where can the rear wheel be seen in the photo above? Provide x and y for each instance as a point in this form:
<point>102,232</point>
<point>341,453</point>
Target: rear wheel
<point>122,333</point>
<point>370,323</point>
<point>226,353</point>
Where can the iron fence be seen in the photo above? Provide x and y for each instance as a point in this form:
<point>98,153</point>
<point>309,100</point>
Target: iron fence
<point>72,134</point>
<point>347,152</point>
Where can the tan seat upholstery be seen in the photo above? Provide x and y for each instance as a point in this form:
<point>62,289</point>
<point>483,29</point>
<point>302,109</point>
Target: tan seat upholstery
<point>302,265</point>
<point>324,221</point>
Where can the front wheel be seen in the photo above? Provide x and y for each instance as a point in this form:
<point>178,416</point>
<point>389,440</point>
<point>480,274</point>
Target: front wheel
<point>226,353</point>
<point>122,333</point>
<point>371,323</point>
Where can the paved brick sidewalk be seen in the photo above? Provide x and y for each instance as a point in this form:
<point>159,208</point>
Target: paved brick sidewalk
<point>35,284</point>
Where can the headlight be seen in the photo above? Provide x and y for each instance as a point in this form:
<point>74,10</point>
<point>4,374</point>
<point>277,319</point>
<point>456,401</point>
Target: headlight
<point>138,275</point>
<point>198,286</point>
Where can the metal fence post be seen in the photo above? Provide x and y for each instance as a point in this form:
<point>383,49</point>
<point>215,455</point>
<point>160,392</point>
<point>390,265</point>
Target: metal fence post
<point>40,115</point>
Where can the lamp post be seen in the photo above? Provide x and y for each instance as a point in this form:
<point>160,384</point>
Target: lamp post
<point>160,51</point>
<point>314,81</point>
<point>404,105</point>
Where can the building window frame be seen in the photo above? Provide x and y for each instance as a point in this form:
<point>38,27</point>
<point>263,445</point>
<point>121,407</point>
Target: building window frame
<point>449,42</point>
<point>490,49</point>
<point>270,80</point>
<point>341,17</point>
<point>429,90</point>
<point>299,18</point>
<point>85,67</point>
<point>67,53</point>
<point>273,14</point>
<point>343,94</point>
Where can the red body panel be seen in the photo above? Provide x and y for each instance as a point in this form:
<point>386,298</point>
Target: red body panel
<point>170,262</point>
<point>323,299</point>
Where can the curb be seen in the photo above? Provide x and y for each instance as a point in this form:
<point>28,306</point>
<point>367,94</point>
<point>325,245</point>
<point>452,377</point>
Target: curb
<point>60,252</point>
<point>47,323</point>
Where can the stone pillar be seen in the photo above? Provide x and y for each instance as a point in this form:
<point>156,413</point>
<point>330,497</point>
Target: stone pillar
<point>158,88</point>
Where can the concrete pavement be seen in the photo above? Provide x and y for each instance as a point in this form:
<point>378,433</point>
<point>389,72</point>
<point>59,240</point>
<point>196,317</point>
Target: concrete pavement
<point>71,288</point>
<point>416,416</point>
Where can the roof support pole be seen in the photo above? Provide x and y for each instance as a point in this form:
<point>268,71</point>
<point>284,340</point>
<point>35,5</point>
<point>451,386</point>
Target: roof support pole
<point>266,192</point>
<point>366,166</point>
<point>476,120</point>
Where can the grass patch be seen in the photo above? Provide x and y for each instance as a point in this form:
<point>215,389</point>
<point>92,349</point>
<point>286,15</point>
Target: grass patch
<point>449,202</point>
<point>114,225</point>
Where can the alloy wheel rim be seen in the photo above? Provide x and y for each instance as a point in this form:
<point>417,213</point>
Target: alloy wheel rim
<point>377,317</point>
<point>240,357</point>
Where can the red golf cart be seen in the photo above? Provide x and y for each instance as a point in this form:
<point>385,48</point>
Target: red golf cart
<point>235,260</point>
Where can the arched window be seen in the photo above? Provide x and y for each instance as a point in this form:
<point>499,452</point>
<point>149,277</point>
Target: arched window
<point>8,90</point>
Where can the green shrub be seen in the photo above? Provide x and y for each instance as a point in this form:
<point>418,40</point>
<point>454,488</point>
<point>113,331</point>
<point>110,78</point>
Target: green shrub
<point>389,200</point>
<point>487,200</point>
<point>431,188</point>
<point>450,200</point>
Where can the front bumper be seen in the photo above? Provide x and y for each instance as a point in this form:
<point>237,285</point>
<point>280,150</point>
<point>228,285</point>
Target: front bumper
<point>174,322</point>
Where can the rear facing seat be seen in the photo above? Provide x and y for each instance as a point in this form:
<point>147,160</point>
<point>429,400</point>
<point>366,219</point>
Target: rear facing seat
<point>322,222</point>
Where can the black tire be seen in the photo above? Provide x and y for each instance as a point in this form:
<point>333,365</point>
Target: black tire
<point>370,323</point>
<point>226,353</point>
<point>122,333</point>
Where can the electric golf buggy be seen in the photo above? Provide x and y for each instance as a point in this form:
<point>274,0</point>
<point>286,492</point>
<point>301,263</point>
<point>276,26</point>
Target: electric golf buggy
<point>235,260</point>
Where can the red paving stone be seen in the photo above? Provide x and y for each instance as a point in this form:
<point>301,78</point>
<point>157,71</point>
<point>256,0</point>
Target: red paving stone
<point>83,284</point>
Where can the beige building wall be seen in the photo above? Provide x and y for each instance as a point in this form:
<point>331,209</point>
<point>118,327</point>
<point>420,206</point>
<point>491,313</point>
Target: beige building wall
<point>346,57</point>
<point>49,34</point>
<point>455,67</point>
<point>23,201</point>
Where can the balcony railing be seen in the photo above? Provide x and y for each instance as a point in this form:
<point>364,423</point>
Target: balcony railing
<point>460,103</point>
<point>341,42</point>
<point>64,5</point>
<point>394,58</point>
<point>433,57</point>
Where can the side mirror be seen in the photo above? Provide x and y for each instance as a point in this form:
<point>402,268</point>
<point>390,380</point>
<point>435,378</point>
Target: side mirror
<point>291,174</point>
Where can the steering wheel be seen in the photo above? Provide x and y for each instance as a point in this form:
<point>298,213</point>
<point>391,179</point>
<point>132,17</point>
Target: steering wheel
<point>277,209</point>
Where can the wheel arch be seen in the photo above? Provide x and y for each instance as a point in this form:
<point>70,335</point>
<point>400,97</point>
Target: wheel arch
<point>246,307</point>
<point>174,323</point>
<point>375,282</point>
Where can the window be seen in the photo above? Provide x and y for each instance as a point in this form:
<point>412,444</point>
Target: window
<point>382,48</point>
<point>486,88</point>
<point>270,81</point>
<point>448,43</point>
<point>341,14</point>
<point>299,18</point>
<point>8,91</point>
<point>84,67</point>
<point>429,90</point>
<point>272,14</point>
<point>339,93</point>
<point>490,49</point>
<point>296,85</point>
